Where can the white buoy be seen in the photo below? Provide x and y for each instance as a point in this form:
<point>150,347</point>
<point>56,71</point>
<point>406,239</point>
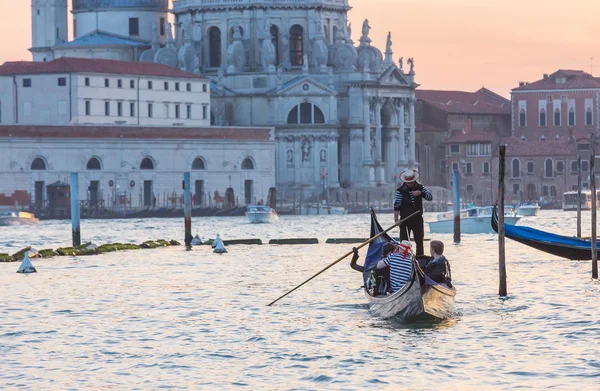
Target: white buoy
<point>26,266</point>
<point>218,245</point>
<point>196,241</point>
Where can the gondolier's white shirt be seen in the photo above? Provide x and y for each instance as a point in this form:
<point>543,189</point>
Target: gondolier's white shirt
<point>400,264</point>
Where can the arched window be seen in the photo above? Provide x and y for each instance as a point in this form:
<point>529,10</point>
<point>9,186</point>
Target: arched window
<point>93,164</point>
<point>247,164</point>
<point>275,41</point>
<point>571,117</point>
<point>516,168</point>
<point>214,37</point>
<point>557,117</point>
<point>548,172</point>
<point>589,118</point>
<point>147,164</point>
<point>296,51</point>
<point>522,118</point>
<point>335,33</point>
<point>198,164</point>
<point>543,117</point>
<point>38,164</point>
<point>306,113</point>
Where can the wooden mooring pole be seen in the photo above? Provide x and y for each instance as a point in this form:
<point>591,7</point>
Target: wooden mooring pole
<point>502,291</point>
<point>594,202</point>
<point>456,204</point>
<point>579,196</point>
<point>75,222</point>
<point>187,209</point>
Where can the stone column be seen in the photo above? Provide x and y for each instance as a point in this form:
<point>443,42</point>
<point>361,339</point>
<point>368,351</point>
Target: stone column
<point>402,131</point>
<point>355,158</point>
<point>413,139</point>
<point>378,154</point>
<point>332,159</point>
<point>297,159</point>
<point>367,131</point>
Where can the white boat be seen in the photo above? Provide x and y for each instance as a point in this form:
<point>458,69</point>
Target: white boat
<point>570,200</point>
<point>261,214</point>
<point>475,220</point>
<point>528,209</point>
<point>17,218</point>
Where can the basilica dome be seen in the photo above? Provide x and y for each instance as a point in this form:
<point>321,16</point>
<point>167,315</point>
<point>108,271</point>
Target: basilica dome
<point>90,5</point>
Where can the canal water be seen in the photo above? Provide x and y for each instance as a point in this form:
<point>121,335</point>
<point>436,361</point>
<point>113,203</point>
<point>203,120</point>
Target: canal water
<point>172,319</point>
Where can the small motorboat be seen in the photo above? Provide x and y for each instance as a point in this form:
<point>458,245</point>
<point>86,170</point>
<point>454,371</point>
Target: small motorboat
<point>474,220</point>
<point>17,218</point>
<point>261,214</point>
<point>528,209</point>
<point>420,298</point>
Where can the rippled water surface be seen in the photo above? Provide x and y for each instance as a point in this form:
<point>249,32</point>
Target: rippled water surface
<point>172,319</point>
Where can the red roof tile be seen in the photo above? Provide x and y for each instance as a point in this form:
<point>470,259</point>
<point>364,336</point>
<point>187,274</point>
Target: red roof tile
<point>74,65</point>
<point>518,147</point>
<point>146,133</point>
<point>575,80</point>
<point>482,101</point>
<point>460,137</point>
<point>425,127</point>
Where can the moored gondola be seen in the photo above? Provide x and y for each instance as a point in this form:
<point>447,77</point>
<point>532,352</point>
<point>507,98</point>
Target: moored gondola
<point>561,246</point>
<point>420,298</point>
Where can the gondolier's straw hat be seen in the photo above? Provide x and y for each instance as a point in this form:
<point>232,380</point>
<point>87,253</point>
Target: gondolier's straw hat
<point>409,176</point>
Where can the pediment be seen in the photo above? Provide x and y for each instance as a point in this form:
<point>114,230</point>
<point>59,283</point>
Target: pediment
<point>304,86</point>
<point>393,77</point>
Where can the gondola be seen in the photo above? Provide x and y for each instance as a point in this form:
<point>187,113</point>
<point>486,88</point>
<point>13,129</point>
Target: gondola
<point>420,298</point>
<point>561,246</point>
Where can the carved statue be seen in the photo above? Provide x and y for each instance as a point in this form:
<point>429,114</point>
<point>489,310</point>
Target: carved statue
<point>198,31</point>
<point>388,45</point>
<point>236,52</point>
<point>290,156</point>
<point>169,31</point>
<point>349,30</point>
<point>279,77</point>
<point>366,28</point>
<point>268,50</point>
<point>305,63</point>
<point>401,64</point>
<point>196,65</point>
<point>267,30</point>
<point>323,156</point>
<point>411,62</point>
<point>155,37</point>
<point>305,150</point>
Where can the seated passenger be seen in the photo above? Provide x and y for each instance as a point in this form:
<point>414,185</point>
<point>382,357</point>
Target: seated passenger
<point>378,279</point>
<point>438,268</point>
<point>400,261</point>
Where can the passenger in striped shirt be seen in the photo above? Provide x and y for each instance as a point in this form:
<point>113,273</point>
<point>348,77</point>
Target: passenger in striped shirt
<point>400,261</point>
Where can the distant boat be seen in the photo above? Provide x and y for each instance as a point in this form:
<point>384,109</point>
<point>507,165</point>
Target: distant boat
<point>261,214</point>
<point>322,210</point>
<point>17,218</point>
<point>475,220</point>
<point>528,209</point>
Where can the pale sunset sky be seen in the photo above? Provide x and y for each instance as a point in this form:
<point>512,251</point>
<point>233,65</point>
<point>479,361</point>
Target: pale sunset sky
<point>457,44</point>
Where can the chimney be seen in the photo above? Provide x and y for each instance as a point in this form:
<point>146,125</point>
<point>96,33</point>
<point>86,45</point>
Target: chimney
<point>545,76</point>
<point>521,83</point>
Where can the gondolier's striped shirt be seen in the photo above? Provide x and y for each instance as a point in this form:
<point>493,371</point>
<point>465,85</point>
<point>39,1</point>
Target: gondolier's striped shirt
<point>400,264</point>
<point>426,194</point>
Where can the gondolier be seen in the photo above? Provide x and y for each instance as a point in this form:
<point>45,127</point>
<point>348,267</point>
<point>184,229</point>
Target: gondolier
<point>409,199</point>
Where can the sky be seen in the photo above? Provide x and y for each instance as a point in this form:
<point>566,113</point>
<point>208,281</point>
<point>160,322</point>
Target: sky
<point>457,44</point>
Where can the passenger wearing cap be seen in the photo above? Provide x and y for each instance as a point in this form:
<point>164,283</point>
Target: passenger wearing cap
<point>409,199</point>
<point>399,259</point>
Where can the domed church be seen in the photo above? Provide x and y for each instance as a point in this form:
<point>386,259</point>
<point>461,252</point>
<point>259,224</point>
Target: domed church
<point>343,111</point>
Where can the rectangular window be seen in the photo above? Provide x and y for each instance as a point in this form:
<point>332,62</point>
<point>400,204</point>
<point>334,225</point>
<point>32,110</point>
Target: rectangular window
<point>26,83</point>
<point>486,167</point>
<point>107,108</point>
<point>583,147</point>
<point>87,81</point>
<point>442,166</point>
<point>106,83</point>
<point>131,83</point>
<point>530,167</point>
<point>454,166</point>
<point>189,111</point>
<point>166,86</point>
<point>176,86</point>
<point>522,118</point>
<point>150,85</point>
<point>149,110</point>
<point>589,118</point>
<point>468,168</point>
<point>516,188</point>
<point>472,150</point>
<point>176,111</point>
<point>584,165</point>
<point>162,26</point>
<point>552,191</point>
<point>204,88</point>
<point>454,148</point>
<point>204,112</point>
<point>544,191</point>
<point>132,109</point>
<point>120,109</point>
<point>189,87</point>
<point>62,81</point>
<point>571,117</point>
<point>573,166</point>
<point>560,167</point>
<point>88,107</point>
<point>166,110</point>
<point>134,26</point>
<point>542,118</point>
<point>120,83</point>
<point>557,117</point>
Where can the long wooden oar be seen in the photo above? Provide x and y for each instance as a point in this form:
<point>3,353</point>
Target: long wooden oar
<point>344,256</point>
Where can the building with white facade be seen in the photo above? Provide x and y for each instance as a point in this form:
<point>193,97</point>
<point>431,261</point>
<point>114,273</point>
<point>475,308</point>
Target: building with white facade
<point>343,113</point>
<point>70,91</point>
<point>132,167</point>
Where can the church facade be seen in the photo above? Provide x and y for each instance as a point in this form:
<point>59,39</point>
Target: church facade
<point>343,112</point>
